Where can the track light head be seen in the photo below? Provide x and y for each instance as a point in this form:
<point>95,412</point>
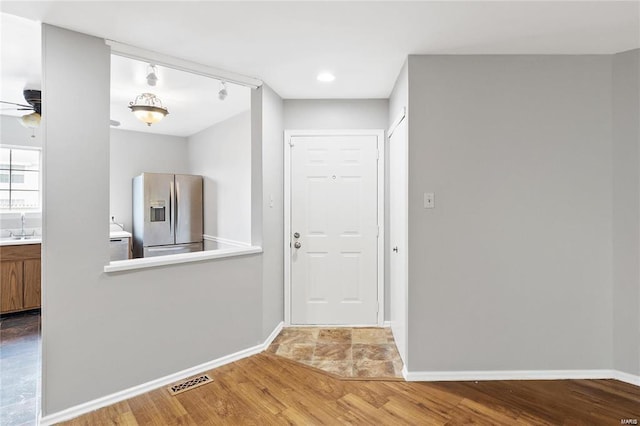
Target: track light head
<point>222,94</point>
<point>152,77</point>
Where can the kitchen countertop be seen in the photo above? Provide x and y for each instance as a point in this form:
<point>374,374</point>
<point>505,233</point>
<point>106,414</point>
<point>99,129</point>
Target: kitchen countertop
<point>9,241</point>
<point>119,234</point>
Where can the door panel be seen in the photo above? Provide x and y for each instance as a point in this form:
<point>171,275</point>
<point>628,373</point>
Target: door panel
<point>174,249</point>
<point>158,209</point>
<point>398,234</point>
<point>188,212</point>
<point>334,209</point>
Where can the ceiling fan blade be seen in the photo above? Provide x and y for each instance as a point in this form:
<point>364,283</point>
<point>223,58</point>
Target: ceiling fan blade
<point>20,105</point>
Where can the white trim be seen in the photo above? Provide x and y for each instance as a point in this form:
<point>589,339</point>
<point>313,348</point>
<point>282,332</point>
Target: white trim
<point>273,335</point>
<point>287,227</point>
<point>626,377</point>
<point>225,241</point>
<point>386,324</point>
<point>172,259</point>
<point>381,231</point>
<point>397,121</point>
<point>133,52</point>
<point>457,376</point>
<point>131,392</point>
<point>287,210</point>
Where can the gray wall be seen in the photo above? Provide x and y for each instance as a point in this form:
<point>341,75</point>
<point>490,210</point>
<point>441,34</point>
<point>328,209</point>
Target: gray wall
<point>335,114</point>
<point>222,154</point>
<point>105,333</point>
<point>626,212</point>
<point>306,114</point>
<point>132,153</point>
<point>272,207</point>
<point>512,270</point>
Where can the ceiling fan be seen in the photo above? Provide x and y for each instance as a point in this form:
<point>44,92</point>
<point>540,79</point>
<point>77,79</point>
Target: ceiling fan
<point>34,101</point>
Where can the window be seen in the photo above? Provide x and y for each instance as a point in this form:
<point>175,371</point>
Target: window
<point>19,179</point>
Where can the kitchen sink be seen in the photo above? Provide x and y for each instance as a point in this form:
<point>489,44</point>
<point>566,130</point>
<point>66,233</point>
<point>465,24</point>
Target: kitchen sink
<point>25,239</point>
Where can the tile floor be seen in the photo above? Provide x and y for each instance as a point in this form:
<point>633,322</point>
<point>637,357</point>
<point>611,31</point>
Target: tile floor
<point>19,368</point>
<point>351,353</point>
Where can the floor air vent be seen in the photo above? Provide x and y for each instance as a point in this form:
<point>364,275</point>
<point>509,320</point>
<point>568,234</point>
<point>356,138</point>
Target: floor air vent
<point>189,384</point>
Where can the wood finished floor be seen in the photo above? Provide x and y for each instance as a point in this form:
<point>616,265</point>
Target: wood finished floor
<point>265,389</point>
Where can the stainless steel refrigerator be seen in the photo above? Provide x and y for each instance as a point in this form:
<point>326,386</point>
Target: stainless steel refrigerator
<point>167,214</point>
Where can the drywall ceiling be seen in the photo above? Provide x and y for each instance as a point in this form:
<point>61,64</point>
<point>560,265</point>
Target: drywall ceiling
<point>192,100</point>
<point>20,63</point>
<point>363,43</point>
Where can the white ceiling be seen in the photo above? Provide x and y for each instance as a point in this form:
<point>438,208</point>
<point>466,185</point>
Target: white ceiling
<point>192,100</point>
<point>20,64</point>
<point>364,43</point>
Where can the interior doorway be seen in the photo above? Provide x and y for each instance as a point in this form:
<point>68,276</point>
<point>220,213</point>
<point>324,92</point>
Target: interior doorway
<point>334,208</point>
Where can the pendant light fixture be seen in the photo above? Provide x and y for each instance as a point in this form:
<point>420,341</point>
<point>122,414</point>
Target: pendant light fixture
<point>148,108</point>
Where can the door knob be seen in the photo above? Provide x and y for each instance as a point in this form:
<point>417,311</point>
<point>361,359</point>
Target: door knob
<point>297,244</point>
<point>296,235</point>
<point>395,249</point>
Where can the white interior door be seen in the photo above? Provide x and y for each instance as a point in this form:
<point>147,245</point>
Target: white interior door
<point>334,229</point>
<point>398,233</point>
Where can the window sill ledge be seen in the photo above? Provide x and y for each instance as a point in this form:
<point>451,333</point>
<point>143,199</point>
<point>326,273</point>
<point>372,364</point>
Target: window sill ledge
<point>173,259</point>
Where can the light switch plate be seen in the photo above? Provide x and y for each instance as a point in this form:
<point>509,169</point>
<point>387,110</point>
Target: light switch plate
<point>429,200</point>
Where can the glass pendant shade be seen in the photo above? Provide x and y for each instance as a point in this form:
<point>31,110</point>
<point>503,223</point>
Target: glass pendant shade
<point>148,108</point>
<point>30,121</point>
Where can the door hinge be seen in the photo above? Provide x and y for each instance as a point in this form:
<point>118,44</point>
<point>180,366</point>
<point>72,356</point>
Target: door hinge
<point>378,233</point>
<point>291,142</point>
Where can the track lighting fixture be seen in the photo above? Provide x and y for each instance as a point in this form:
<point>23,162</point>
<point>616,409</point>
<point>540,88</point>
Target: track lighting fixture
<point>222,94</point>
<point>152,76</point>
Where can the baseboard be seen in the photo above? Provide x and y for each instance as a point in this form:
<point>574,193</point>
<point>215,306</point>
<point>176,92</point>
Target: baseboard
<point>626,377</point>
<point>116,397</point>
<point>226,241</point>
<point>386,324</point>
<point>462,376</point>
<point>273,335</point>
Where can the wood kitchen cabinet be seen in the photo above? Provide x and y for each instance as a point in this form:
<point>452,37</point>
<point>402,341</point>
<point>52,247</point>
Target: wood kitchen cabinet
<point>20,281</point>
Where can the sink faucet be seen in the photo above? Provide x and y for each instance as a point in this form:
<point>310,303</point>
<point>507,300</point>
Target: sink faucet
<point>22,233</point>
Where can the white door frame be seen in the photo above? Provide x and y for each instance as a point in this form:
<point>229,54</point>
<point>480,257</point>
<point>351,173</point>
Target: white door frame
<point>287,211</point>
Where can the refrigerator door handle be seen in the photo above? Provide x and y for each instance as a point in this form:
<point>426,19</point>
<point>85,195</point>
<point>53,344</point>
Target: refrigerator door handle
<point>164,249</point>
<point>177,197</point>
<point>171,197</point>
